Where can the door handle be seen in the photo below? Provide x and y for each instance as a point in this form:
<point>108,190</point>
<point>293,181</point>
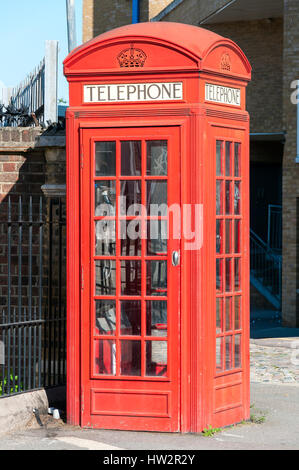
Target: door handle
<point>175,258</point>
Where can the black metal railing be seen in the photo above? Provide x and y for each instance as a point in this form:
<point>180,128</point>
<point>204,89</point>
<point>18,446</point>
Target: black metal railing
<point>32,284</point>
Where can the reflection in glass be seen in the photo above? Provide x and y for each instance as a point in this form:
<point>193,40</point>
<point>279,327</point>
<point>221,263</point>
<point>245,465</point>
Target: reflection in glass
<point>219,354</point>
<point>228,158</point>
<point>237,196</point>
<point>219,197</point>
<point>219,275</point>
<point>130,277</point>
<point>228,197</point>
<point>156,278</point>
<point>218,236</point>
<point>130,311</point>
<point>237,351</point>
<point>130,358</point>
<point>228,318</point>
<point>156,358</point>
<point>237,236</point>
<point>157,196</point>
<point>228,225</point>
<point>237,158</point>
<point>219,145</point>
<point>105,196</point>
<point>105,237</point>
<point>130,197</point>
<point>156,318</point>
<point>130,234</point>
<point>131,158</point>
<point>237,312</point>
<point>237,274</point>
<point>105,357</point>
<point>219,322</point>
<point>156,237</point>
<point>228,352</point>
<point>105,279</point>
<point>105,158</point>
<point>156,157</point>
<point>105,317</point>
<point>228,277</point>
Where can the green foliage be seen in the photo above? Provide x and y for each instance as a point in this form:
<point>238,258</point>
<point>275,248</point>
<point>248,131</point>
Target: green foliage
<point>209,431</point>
<point>4,385</point>
<point>257,419</point>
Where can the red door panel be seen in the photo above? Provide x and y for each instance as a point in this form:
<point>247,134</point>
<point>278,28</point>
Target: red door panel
<point>129,287</point>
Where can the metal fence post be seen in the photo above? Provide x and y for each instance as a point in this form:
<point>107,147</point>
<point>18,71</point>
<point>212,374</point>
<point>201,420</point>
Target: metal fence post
<point>51,61</point>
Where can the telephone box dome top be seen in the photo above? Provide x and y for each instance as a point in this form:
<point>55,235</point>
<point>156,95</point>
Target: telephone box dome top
<point>158,45</point>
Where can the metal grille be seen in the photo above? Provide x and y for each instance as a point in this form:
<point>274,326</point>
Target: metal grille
<point>32,283</point>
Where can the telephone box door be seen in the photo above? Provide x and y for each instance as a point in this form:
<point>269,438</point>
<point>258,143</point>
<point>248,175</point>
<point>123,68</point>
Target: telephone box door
<point>130,286</point>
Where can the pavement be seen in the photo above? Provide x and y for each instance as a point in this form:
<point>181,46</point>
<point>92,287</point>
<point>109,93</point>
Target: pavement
<point>274,421</point>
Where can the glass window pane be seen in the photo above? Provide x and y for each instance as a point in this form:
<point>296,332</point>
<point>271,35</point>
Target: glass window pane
<point>105,317</point>
<point>156,237</point>
<point>130,359</point>
<point>219,316</point>
<point>237,312</point>
<point>237,236</point>
<point>237,351</point>
<point>237,274</point>
<point>237,158</point>
<point>219,146</point>
<point>228,277</point>
<point>228,231</point>
<point>105,237</point>
<point>228,352</point>
<point>228,314</point>
<point>156,278</point>
<point>157,197</point>
<point>130,192</point>
<point>219,197</point>
<point>131,158</point>
<point>219,275</point>
<point>219,244</point>
<point>228,197</point>
<point>228,170</point>
<point>105,279</point>
<point>130,235</point>
<point>237,197</point>
<point>105,197</point>
<point>156,157</point>
<point>156,318</point>
<point>156,358</point>
<point>105,357</point>
<point>105,157</point>
<point>219,354</point>
<point>130,311</point>
<point>131,277</point>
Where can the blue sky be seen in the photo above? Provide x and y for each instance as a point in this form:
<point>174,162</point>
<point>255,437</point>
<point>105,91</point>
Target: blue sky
<point>25,25</point>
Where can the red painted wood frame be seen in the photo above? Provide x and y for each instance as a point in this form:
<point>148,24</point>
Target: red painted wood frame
<point>229,298</point>
<point>129,391</point>
<point>211,320</point>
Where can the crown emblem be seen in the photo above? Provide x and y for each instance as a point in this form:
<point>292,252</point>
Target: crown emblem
<point>131,57</point>
<point>225,63</point>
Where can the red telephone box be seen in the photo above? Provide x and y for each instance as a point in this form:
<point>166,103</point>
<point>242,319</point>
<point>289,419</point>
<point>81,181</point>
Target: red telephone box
<point>158,230</point>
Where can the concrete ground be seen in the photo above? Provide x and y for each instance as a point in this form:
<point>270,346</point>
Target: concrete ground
<point>274,409</point>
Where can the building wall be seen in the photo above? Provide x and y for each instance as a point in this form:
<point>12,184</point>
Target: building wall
<point>262,42</point>
<point>272,47</point>
<point>290,281</point>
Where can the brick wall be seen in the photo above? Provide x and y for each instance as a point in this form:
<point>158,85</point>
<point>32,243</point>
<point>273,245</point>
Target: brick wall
<point>290,168</point>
